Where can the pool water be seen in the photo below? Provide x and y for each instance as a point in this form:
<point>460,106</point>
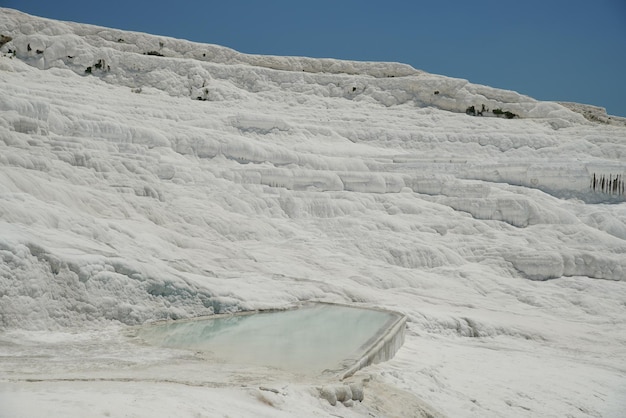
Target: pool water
<point>315,339</point>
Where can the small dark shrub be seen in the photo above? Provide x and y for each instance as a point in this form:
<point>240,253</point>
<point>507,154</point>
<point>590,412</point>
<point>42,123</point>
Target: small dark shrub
<point>88,70</point>
<point>155,53</point>
<point>436,92</point>
<point>471,111</point>
<point>205,95</point>
<point>4,39</point>
<point>504,113</point>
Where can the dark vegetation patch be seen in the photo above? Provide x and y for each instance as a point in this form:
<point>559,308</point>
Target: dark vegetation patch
<point>154,53</point>
<point>4,39</point>
<point>474,111</point>
<point>99,65</point>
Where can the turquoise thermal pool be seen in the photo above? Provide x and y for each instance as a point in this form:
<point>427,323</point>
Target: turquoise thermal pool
<point>317,339</point>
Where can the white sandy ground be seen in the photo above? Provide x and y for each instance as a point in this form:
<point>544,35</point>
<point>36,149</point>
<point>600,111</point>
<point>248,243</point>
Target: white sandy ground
<point>125,200</point>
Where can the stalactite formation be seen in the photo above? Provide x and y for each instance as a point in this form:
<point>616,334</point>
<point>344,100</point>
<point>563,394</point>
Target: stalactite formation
<point>613,184</point>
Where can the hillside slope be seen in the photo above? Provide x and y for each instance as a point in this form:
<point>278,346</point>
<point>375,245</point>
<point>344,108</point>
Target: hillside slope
<point>145,178</point>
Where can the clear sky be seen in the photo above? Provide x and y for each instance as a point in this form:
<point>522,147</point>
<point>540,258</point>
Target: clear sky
<point>569,50</point>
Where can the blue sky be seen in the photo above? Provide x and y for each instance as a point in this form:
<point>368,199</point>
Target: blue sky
<point>570,50</point>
